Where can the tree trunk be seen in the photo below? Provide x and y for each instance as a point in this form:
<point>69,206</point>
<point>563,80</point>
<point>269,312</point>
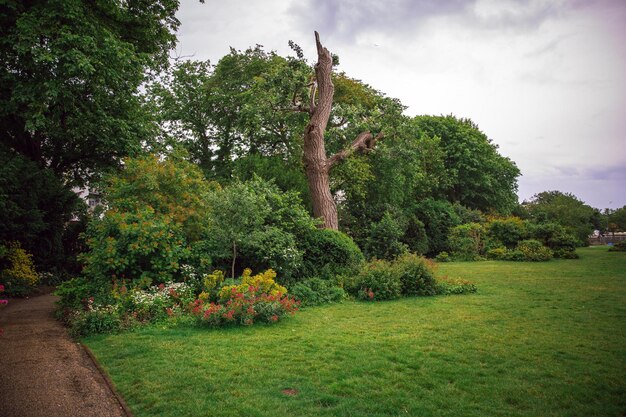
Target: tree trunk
<point>317,164</point>
<point>324,206</point>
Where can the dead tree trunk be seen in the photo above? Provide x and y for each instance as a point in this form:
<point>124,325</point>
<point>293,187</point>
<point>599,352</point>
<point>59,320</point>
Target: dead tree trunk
<point>316,163</point>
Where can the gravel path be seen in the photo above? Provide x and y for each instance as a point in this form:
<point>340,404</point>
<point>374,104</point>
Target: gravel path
<point>42,371</point>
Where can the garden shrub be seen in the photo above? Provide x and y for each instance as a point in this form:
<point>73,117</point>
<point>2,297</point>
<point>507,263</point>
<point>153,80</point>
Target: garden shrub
<point>95,319</point>
<point>262,283</point>
<point>123,307</point>
<point>466,241</point>
<point>257,299</point>
<point>328,254</point>
<point>141,246</point>
<point>442,257</point>
<point>534,251</point>
<point>554,236</point>
<point>416,275</point>
<point>515,255</point>
<point>449,286</point>
<point>74,292</point>
<point>159,301</point>
<point>257,225</point>
<point>18,274</point>
<point>565,253</point>
<point>384,241</point>
<point>618,247</point>
<point>315,291</point>
<point>438,217</point>
<point>507,232</point>
<point>408,275</point>
<point>378,281</point>
<point>497,253</point>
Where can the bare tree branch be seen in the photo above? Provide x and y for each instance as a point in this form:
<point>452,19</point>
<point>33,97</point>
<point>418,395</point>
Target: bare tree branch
<point>364,142</point>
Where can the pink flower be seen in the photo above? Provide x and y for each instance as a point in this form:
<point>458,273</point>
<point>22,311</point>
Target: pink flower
<point>4,302</point>
<point>1,287</point>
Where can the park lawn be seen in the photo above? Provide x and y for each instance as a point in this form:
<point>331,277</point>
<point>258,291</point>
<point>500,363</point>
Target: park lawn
<point>538,339</point>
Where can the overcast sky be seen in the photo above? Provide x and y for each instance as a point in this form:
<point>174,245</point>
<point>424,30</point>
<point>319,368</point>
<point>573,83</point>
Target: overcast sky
<point>545,80</point>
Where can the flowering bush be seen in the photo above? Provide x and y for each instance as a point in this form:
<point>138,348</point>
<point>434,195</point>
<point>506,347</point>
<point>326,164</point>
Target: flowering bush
<point>262,283</point>
<point>19,277</point>
<point>159,300</point>
<point>128,307</point>
<point>95,318</point>
<point>257,299</point>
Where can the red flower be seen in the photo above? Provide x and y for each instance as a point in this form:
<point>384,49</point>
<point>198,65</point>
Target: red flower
<point>274,318</point>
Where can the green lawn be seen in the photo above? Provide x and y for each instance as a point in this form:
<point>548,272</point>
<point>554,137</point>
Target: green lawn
<point>538,339</point>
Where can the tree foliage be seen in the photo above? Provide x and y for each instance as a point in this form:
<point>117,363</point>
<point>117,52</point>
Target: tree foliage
<point>565,209</point>
<point>69,78</point>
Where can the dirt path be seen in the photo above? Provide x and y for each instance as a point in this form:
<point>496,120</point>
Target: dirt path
<point>42,371</point>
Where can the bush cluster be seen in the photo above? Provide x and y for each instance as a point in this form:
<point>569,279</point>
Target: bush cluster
<point>124,308</point>
<point>315,291</point>
<point>221,302</point>
<point>511,239</point>
<point>408,275</point>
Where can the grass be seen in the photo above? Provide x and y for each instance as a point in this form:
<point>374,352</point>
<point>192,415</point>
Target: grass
<point>538,339</point>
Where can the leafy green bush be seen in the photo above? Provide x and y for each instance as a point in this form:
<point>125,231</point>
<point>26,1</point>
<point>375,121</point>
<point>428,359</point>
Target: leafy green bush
<point>565,254</point>
<point>384,241</point>
<point>328,254</point>
<point>255,224</point>
<point>18,274</point>
<point>379,281</point>
<point>514,255</point>
<point>94,320</point>
<point>315,291</point>
<point>73,293</point>
<point>442,257</point>
<point>497,253</point>
<point>416,275</point>
<point>507,232</point>
<point>141,246</point>
<point>450,286</point>
<point>534,251</point>
<point>466,241</point>
<point>554,236</point>
<point>618,247</point>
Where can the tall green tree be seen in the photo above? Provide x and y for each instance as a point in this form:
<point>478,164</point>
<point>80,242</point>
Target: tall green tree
<point>70,71</point>
<point>565,209</point>
<point>478,177</point>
